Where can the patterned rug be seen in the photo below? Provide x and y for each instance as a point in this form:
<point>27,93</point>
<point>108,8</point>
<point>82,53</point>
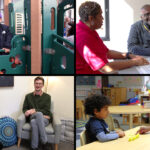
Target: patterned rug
<point>80,123</point>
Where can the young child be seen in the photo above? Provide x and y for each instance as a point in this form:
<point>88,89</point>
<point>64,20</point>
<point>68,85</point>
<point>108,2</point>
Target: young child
<point>97,129</point>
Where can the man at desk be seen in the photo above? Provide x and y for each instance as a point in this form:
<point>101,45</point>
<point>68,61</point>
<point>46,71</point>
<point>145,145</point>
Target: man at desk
<point>5,37</point>
<point>139,36</point>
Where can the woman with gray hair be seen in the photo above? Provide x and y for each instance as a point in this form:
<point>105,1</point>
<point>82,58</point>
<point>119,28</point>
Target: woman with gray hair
<point>91,53</point>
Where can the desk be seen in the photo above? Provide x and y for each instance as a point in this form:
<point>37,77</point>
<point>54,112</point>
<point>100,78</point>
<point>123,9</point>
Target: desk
<point>135,69</point>
<point>130,110</point>
<point>142,143</point>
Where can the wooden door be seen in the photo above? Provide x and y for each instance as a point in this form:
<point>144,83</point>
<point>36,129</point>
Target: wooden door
<point>121,94</point>
<point>113,96</point>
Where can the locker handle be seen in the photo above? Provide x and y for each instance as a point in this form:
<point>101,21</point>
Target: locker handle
<point>14,39</point>
<point>64,40</point>
<point>2,51</point>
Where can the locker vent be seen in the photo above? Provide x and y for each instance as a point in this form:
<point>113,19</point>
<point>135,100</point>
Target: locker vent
<point>19,23</point>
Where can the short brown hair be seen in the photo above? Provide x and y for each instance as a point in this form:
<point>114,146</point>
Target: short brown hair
<point>39,78</point>
<point>145,6</point>
<point>87,9</point>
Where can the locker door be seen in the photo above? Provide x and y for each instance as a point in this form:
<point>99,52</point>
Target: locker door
<point>15,61</point>
<point>57,58</point>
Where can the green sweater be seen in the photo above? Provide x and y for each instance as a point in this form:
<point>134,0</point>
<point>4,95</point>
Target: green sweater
<point>39,103</point>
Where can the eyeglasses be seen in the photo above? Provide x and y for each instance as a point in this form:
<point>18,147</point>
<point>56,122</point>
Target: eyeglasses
<point>146,15</point>
<point>38,83</point>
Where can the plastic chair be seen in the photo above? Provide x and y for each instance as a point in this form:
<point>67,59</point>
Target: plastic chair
<point>84,139</point>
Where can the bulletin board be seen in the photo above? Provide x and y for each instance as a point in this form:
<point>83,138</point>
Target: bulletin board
<point>133,80</point>
<point>6,81</point>
<point>85,80</point>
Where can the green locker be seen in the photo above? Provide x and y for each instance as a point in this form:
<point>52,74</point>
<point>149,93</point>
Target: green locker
<point>56,57</point>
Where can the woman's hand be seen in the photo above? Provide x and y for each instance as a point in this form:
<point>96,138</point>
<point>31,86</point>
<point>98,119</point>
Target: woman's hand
<point>143,130</point>
<point>132,56</point>
<point>139,61</point>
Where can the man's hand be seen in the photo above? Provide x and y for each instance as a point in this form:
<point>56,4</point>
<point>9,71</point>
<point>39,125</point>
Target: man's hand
<point>29,112</point>
<point>6,50</point>
<point>47,117</point>
<point>32,111</point>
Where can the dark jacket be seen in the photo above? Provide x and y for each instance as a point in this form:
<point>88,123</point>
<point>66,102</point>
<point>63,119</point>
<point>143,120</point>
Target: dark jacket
<point>5,37</point>
<point>139,39</point>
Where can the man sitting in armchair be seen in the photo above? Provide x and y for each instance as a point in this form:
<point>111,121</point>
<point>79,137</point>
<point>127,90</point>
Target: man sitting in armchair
<point>36,108</point>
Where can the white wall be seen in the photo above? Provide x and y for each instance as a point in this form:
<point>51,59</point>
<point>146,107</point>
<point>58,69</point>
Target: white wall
<point>61,91</point>
<point>123,13</point>
<point>11,98</point>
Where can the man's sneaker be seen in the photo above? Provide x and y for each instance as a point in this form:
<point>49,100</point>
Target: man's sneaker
<point>34,149</point>
<point>45,146</point>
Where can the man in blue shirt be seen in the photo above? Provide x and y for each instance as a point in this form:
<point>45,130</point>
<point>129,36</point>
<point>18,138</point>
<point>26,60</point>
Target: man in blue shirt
<point>139,36</point>
<point>5,37</point>
<point>96,127</point>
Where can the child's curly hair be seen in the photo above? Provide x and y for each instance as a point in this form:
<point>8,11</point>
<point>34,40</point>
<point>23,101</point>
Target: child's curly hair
<point>95,102</point>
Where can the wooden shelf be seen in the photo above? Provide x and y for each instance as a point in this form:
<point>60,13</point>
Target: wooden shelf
<point>116,94</point>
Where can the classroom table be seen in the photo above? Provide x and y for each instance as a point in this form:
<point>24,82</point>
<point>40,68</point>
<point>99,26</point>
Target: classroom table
<point>130,110</point>
<point>136,69</point>
<point>141,143</point>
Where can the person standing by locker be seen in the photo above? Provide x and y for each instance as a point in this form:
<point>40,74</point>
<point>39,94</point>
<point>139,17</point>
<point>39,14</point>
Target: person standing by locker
<point>5,37</point>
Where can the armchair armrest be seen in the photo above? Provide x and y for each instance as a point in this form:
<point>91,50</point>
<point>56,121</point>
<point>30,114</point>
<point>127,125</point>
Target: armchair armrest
<point>57,128</point>
<point>20,122</point>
